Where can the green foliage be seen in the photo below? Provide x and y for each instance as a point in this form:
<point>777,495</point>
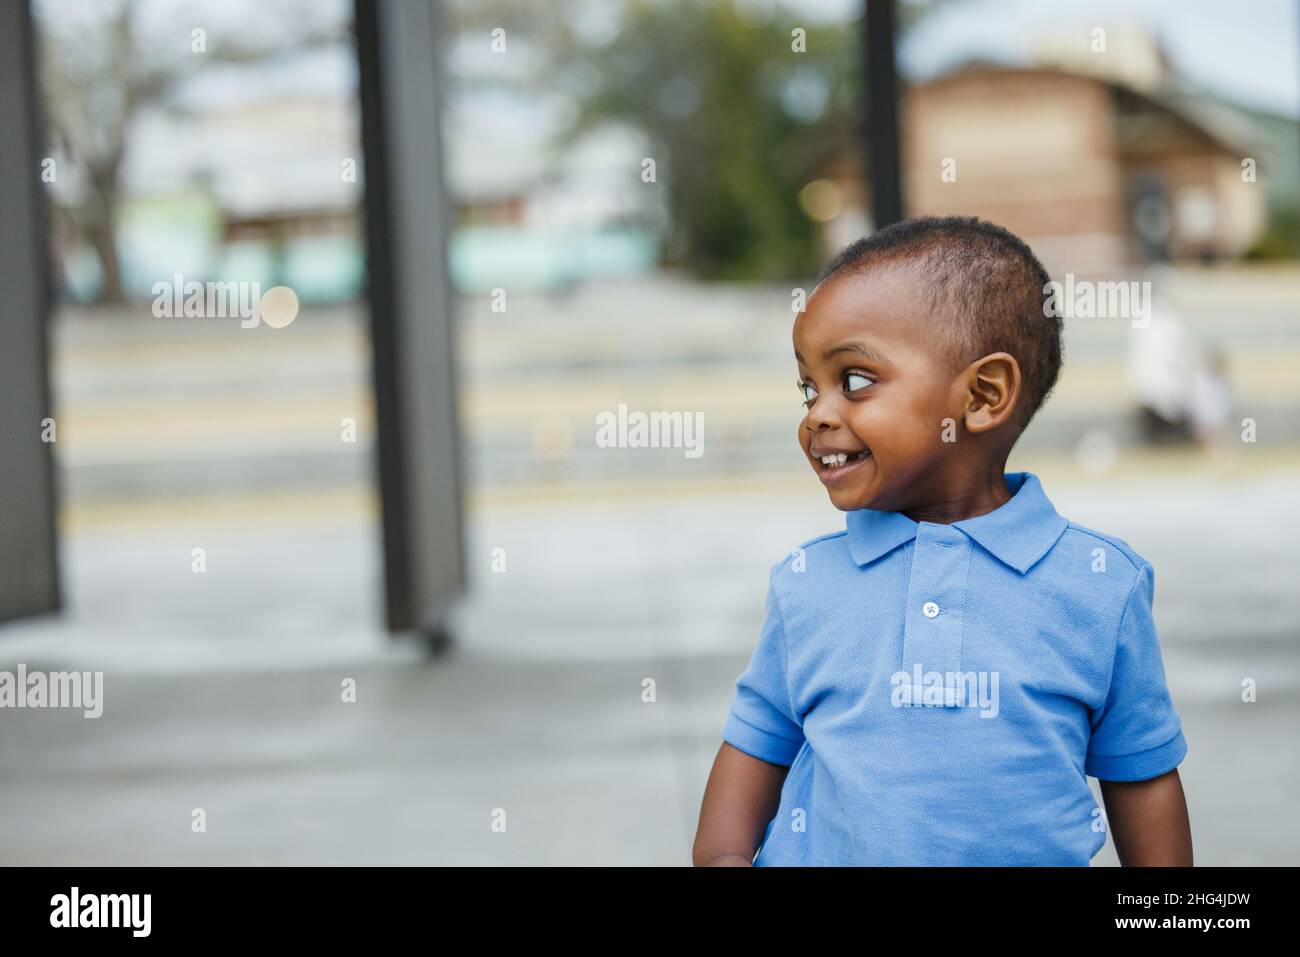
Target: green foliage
<point>736,121</point>
<point>1281,238</point>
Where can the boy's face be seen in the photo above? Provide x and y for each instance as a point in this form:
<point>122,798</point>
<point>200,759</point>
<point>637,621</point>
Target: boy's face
<point>870,360</point>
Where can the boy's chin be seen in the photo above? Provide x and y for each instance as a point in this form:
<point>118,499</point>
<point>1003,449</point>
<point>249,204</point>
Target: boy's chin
<point>850,500</point>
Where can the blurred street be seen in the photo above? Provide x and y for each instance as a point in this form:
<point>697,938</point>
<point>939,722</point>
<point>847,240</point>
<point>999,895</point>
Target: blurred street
<point>190,407</point>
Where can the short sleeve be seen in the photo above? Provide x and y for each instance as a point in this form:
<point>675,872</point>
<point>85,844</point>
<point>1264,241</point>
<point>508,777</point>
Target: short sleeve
<point>762,722</point>
<point>1136,734</point>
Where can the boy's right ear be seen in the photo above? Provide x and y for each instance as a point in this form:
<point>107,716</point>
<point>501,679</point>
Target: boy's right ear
<point>994,387</point>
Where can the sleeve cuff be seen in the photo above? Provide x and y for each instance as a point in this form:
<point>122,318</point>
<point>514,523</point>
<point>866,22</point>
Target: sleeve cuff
<point>1138,767</point>
<point>758,743</point>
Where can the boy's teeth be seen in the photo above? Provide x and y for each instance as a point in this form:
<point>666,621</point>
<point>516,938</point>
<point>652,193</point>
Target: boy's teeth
<point>840,458</point>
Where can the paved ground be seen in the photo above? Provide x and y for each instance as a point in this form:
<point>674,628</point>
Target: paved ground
<point>223,692</point>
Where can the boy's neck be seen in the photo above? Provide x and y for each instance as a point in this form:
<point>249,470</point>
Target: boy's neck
<point>976,495</point>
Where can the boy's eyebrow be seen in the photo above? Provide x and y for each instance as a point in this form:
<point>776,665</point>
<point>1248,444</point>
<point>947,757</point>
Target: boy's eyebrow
<point>855,347</point>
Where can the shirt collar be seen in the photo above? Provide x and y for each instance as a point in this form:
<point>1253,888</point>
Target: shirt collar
<point>1018,533</point>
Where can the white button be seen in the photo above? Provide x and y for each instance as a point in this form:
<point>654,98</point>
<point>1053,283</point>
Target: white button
<point>929,609</point>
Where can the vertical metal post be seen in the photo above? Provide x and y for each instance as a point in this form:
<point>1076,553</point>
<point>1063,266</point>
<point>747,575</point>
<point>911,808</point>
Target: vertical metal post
<point>29,580</point>
<point>408,220</point>
<point>882,113</point>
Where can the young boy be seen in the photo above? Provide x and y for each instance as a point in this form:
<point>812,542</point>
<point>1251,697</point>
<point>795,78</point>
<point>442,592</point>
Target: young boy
<point>934,684</point>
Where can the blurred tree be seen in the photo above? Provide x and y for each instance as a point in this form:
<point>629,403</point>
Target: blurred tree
<point>735,118</point>
<point>103,63</point>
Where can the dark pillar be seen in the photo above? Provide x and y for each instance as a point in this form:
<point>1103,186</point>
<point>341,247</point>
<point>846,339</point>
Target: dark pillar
<point>29,582</point>
<point>408,220</point>
<point>882,113</point>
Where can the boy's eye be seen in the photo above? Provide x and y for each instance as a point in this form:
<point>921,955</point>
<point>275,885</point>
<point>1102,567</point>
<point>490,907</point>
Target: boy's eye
<point>862,381</point>
<point>809,393</point>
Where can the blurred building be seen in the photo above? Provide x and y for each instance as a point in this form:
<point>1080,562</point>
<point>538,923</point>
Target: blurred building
<point>528,218</point>
<point>270,188</point>
<point>267,188</point>
<point>1097,171</point>
<point>290,211</point>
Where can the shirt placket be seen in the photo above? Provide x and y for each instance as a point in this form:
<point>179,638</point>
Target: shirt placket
<point>936,600</point>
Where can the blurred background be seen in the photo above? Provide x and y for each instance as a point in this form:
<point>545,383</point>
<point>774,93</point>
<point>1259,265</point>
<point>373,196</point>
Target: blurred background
<point>1137,140</point>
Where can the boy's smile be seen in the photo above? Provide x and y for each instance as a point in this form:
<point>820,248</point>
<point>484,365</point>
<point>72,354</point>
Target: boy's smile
<point>881,398</point>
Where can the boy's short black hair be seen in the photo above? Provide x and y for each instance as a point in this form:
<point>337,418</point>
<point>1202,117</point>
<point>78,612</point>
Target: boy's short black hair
<point>985,285</point>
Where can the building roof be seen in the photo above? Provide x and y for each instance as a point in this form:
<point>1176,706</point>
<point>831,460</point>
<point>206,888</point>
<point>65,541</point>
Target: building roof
<point>1217,123</point>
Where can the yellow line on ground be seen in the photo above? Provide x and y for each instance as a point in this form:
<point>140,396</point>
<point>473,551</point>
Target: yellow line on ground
<point>352,505</point>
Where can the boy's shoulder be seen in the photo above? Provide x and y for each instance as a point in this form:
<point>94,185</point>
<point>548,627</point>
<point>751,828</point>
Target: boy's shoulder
<point>1092,539</point>
<point>817,548</point>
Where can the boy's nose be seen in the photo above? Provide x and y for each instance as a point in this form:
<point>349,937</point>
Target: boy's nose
<point>822,416</point>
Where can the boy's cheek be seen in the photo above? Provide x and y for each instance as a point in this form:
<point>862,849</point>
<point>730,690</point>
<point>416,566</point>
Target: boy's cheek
<point>802,435</point>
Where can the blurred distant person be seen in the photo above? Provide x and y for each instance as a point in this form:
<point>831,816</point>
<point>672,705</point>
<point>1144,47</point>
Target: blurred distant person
<point>1211,400</point>
<point>1163,361</point>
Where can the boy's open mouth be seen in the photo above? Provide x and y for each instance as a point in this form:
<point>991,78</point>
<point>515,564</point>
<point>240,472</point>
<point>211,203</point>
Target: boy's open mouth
<point>832,465</point>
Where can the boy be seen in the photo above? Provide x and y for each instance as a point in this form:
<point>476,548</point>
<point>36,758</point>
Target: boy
<point>934,684</point>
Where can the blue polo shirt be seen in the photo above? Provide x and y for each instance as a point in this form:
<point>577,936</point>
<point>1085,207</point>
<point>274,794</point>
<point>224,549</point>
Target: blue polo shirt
<point>941,693</point>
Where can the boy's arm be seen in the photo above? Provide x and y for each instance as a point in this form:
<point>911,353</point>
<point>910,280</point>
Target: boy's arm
<point>742,795</point>
<point>1148,821</point>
